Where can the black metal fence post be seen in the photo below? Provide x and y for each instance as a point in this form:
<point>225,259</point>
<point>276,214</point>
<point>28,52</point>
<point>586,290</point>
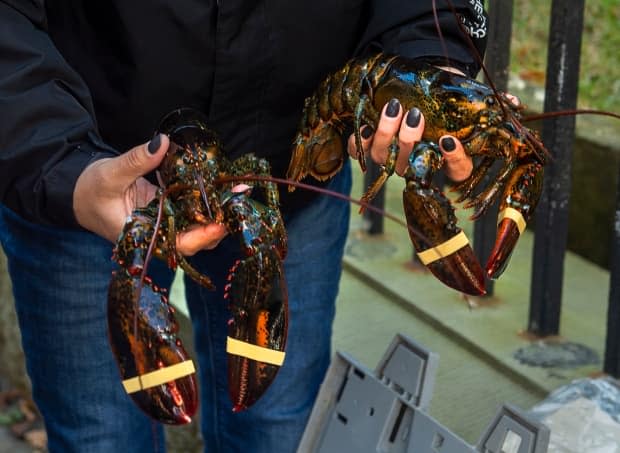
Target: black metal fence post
<point>374,219</point>
<point>497,64</point>
<point>558,136</point>
<point>611,363</point>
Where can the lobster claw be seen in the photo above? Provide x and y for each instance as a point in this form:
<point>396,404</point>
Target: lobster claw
<point>510,226</point>
<point>155,368</point>
<point>519,200</point>
<point>441,245</point>
<point>257,299</point>
<point>258,329</point>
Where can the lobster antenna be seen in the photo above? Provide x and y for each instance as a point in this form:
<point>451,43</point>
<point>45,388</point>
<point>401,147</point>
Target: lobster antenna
<point>475,53</point>
<point>203,191</point>
<point>149,251</point>
<point>321,190</point>
<point>440,33</point>
<point>538,145</point>
<point>147,259</point>
<point>542,116</point>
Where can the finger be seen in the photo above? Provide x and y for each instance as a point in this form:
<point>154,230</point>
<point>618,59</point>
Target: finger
<point>200,237</point>
<point>366,134</point>
<point>513,99</point>
<point>411,130</point>
<point>138,161</point>
<point>204,237</point>
<point>144,192</point>
<point>240,188</point>
<point>389,123</point>
<point>458,165</point>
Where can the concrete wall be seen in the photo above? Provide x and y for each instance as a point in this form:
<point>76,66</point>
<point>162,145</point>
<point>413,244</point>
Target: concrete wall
<point>593,200</point>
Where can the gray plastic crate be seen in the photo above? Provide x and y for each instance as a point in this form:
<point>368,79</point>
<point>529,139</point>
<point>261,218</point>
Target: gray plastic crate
<point>361,411</point>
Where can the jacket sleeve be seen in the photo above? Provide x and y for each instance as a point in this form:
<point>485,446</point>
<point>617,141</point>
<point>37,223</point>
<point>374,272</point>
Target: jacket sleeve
<point>48,133</point>
<point>409,28</point>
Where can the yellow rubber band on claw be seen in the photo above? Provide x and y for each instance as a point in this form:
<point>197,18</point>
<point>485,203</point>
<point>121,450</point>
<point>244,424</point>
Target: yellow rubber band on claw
<point>454,244</point>
<point>251,351</point>
<point>159,377</point>
<point>515,216</point>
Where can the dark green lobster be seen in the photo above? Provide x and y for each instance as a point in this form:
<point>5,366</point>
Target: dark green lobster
<point>485,122</point>
<point>156,370</point>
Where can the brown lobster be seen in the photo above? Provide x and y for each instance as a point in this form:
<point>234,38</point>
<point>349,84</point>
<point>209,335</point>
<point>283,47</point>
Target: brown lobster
<point>452,104</point>
<point>156,370</point>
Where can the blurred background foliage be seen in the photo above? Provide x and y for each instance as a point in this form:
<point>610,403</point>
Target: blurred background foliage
<point>599,82</point>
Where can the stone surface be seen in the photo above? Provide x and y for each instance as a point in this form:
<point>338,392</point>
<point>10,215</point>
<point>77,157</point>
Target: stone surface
<point>8,442</point>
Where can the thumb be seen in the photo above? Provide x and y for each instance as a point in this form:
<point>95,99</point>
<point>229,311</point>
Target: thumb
<point>139,160</point>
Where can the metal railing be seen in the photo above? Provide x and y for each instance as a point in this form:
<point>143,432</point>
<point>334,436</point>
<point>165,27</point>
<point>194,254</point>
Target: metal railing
<point>558,134</point>
<point>551,232</point>
<point>611,362</point>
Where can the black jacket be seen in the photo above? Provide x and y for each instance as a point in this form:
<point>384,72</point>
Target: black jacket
<point>82,80</point>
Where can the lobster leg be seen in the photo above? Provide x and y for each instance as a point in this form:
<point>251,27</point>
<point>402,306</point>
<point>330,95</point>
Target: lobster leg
<point>444,248</point>
<point>364,111</point>
<point>271,195</point>
<point>484,199</point>
<point>387,170</point>
<point>519,201</point>
<point>466,187</point>
<point>191,272</point>
<point>175,259</point>
<point>156,370</point>
<point>357,125</point>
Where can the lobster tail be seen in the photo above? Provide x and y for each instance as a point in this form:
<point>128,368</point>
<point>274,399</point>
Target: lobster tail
<point>320,157</point>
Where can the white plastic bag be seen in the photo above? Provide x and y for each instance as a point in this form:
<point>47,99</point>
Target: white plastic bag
<point>584,417</point>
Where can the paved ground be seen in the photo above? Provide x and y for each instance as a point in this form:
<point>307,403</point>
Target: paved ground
<point>8,443</point>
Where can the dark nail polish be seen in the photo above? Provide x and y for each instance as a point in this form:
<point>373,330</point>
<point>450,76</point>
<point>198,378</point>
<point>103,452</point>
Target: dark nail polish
<point>367,132</point>
<point>448,144</point>
<point>413,117</point>
<point>392,108</point>
<point>154,144</point>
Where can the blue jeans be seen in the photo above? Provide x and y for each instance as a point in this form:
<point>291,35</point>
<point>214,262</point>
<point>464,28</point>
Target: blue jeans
<point>60,280</point>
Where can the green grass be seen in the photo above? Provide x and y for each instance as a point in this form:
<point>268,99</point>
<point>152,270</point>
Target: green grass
<point>599,81</point>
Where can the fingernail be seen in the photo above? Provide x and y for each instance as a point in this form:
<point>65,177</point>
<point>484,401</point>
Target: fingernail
<point>154,144</point>
<point>367,132</point>
<point>448,144</point>
<point>392,108</point>
<point>413,117</point>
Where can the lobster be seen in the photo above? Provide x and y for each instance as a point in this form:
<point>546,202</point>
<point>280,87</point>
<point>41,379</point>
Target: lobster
<point>156,370</point>
<point>487,125</point>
